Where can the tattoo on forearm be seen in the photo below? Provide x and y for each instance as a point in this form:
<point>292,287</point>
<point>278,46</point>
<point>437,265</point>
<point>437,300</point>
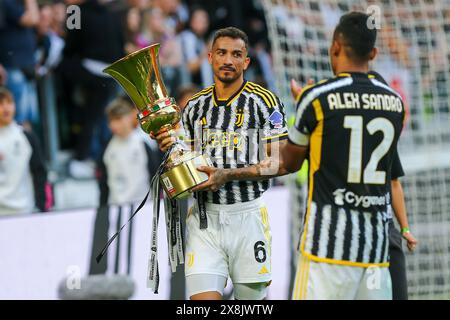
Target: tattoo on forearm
<point>266,169</point>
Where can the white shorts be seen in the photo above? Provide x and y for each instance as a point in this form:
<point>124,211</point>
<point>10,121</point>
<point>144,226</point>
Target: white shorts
<point>236,244</point>
<point>326,281</point>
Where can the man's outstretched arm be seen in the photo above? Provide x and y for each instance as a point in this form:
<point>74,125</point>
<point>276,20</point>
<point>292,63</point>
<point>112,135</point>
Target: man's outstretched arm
<point>398,204</point>
<point>270,167</point>
<point>293,156</point>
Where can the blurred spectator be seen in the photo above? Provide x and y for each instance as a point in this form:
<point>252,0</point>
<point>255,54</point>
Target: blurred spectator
<point>224,13</point>
<point>331,13</point>
<point>18,44</point>
<point>195,49</point>
<point>23,176</point>
<point>133,36</point>
<point>170,54</point>
<point>49,44</point>
<point>260,70</point>
<point>3,75</point>
<point>127,164</point>
<point>88,50</point>
<point>138,4</point>
<point>157,154</point>
<point>185,93</point>
<point>2,15</point>
<point>176,14</point>
<point>59,15</point>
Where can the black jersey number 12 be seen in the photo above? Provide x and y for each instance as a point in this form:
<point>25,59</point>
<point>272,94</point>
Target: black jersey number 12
<point>370,175</point>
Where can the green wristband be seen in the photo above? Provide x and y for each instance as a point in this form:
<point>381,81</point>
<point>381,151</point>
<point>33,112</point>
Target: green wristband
<point>405,230</point>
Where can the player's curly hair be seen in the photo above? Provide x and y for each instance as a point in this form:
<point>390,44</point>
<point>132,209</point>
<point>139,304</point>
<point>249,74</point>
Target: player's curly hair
<point>231,32</point>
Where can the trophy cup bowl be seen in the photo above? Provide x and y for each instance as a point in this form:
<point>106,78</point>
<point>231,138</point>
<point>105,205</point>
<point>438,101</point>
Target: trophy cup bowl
<point>139,75</point>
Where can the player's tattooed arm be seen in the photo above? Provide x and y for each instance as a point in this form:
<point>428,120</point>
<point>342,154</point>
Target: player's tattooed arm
<point>217,178</point>
<point>268,168</point>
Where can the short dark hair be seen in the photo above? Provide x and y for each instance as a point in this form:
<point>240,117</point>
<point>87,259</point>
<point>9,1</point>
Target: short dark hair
<point>231,32</point>
<point>357,35</point>
<point>119,107</point>
<point>5,95</point>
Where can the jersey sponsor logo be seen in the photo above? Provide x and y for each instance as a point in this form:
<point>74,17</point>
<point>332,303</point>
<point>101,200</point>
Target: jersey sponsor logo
<point>342,197</point>
<point>222,139</point>
<point>276,119</point>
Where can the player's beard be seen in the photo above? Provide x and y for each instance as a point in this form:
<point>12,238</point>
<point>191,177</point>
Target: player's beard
<point>232,77</point>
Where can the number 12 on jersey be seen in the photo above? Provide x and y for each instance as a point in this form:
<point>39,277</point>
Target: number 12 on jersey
<point>371,174</point>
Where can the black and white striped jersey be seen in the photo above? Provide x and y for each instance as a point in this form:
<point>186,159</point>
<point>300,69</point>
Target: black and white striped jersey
<point>351,125</point>
<point>233,134</point>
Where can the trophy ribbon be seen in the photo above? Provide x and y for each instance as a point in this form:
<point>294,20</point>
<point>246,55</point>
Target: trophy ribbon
<point>105,248</point>
<point>200,196</point>
<point>139,75</point>
<point>153,271</point>
<point>173,230</point>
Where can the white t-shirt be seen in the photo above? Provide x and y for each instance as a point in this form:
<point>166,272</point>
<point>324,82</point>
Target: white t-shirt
<point>16,186</point>
<point>126,163</point>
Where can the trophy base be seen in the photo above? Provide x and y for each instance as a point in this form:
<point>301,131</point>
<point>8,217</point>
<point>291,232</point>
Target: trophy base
<point>179,180</point>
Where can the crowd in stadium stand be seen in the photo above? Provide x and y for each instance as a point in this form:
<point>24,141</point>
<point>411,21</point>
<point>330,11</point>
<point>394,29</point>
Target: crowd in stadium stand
<point>71,41</point>
<point>412,40</point>
<point>42,37</point>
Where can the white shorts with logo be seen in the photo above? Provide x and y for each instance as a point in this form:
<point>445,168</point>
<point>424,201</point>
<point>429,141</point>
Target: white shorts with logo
<point>326,281</point>
<point>236,244</point>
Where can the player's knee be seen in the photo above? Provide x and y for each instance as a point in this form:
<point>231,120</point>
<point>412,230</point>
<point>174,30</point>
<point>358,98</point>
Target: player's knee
<point>250,291</point>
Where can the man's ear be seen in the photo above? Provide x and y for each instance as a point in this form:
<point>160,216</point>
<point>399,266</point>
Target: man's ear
<point>373,53</point>
<point>336,48</point>
<point>246,62</point>
<point>210,57</point>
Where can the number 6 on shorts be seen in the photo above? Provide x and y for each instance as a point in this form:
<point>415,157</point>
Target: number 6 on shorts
<point>259,247</point>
